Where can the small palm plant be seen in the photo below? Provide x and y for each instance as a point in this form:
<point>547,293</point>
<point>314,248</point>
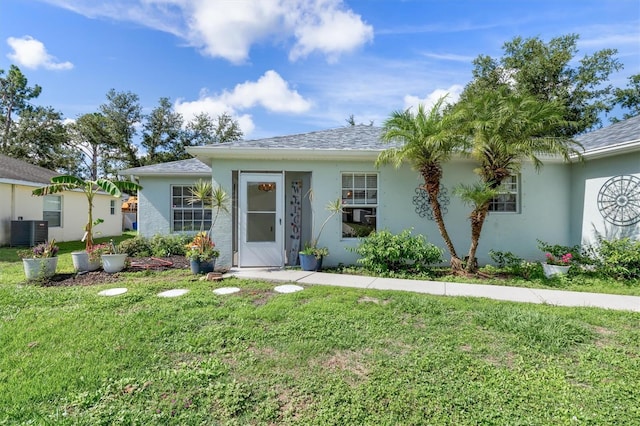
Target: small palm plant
<point>203,193</point>
<point>311,248</point>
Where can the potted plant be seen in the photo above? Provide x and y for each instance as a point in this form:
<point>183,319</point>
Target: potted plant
<point>40,261</point>
<point>311,256</point>
<point>201,251</point>
<point>90,188</point>
<point>557,265</point>
<point>202,254</point>
<point>111,258</point>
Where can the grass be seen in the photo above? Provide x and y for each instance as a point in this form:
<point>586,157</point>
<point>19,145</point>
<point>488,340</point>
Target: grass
<point>321,356</point>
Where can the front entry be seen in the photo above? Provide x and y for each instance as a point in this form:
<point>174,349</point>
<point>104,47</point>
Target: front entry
<point>261,223</point>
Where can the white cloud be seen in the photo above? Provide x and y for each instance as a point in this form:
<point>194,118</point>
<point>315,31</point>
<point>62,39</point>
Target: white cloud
<point>449,57</point>
<point>31,53</point>
<point>228,29</point>
<point>329,30</point>
<point>452,95</point>
<point>270,91</point>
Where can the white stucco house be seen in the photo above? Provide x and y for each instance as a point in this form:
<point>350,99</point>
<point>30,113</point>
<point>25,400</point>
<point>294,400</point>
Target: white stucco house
<point>65,213</point>
<point>281,185</point>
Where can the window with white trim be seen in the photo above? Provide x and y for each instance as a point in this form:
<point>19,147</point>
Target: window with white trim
<point>186,216</point>
<point>508,196</point>
<point>112,207</point>
<point>52,210</point>
<point>359,203</point>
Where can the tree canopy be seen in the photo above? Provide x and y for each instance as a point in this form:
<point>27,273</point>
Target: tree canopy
<point>550,72</point>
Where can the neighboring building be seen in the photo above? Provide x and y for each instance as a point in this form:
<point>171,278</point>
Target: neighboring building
<point>66,212</point>
<point>279,185</point>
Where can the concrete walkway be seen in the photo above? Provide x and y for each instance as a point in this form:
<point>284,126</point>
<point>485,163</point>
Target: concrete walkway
<point>514,294</point>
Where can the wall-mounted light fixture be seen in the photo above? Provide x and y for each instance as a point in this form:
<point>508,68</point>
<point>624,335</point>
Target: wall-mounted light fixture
<point>267,186</point>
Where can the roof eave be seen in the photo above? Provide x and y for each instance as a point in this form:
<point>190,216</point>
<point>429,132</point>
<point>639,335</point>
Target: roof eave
<point>205,153</point>
<point>161,173</point>
<point>612,150</point>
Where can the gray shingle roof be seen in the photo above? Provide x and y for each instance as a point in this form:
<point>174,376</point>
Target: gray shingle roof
<point>192,166</point>
<point>360,137</point>
<point>19,170</point>
<point>619,133</point>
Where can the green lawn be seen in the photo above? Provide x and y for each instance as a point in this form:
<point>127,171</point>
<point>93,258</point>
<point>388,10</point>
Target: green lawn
<point>321,356</point>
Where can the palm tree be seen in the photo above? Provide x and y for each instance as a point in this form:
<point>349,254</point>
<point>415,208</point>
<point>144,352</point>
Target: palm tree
<point>506,129</point>
<point>90,188</point>
<point>425,142</point>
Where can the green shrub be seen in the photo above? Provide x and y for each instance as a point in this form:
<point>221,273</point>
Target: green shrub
<point>169,245</point>
<point>619,258</point>
<point>383,252</point>
<point>580,255</point>
<point>514,265</point>
<point>135,247</point>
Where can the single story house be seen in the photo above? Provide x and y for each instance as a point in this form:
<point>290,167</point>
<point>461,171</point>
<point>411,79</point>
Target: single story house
<point>280,186</point>
<point>65,213</point>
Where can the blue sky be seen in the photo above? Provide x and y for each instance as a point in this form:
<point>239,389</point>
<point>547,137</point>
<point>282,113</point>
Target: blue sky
<point>287,66</point>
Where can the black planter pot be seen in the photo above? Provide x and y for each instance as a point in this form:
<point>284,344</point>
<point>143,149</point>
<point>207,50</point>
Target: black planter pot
<point>202,266</point>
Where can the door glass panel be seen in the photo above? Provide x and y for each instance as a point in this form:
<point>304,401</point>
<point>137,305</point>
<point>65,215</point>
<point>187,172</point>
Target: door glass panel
<point>261,196</point>
<point>261,227</point>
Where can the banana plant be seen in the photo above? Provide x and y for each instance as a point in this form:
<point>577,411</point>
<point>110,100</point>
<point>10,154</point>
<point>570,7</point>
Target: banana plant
<point>90,188</point>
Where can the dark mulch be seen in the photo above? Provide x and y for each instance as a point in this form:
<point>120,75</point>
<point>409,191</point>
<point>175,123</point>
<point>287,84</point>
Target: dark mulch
<point>101,277</point>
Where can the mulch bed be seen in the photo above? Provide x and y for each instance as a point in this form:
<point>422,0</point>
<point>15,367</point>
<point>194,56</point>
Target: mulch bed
<point>101,277</point>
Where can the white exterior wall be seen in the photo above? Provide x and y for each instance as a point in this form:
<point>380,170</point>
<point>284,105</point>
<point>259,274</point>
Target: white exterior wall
<point>544,211</point>
<point>587,180</point>
<point>18,202</point>
<point>154,203</point>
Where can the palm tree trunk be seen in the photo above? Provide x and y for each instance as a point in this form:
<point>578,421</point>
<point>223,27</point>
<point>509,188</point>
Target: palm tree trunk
<point>478,217</point>
<point>456,263</point>
<point>432,173</point>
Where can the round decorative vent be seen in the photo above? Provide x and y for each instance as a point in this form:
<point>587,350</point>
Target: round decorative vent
<point>619,200</point>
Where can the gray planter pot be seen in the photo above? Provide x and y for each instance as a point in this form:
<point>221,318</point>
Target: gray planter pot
<point>36,269</point>
<point>81,262</point>
<point>113,262</point>
<point>551,270</point>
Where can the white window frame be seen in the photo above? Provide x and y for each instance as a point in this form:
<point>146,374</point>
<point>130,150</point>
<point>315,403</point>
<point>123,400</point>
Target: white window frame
<point>112,207</point>
<point>49,210</point>
<point>510,188</point>
<point>179,205</point>
<point>359,198</point>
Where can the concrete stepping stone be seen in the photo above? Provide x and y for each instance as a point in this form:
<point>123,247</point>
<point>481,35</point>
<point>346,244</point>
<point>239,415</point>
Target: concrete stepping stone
<point>226,290</point>
<point>288,288</point>
<point>173,293</point>
<point>113,292</point>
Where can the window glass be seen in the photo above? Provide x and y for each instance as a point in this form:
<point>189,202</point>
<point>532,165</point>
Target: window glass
<point>508,198</point>
<point>360,200</point>
<point>52,210</point>
<point>187,217</point>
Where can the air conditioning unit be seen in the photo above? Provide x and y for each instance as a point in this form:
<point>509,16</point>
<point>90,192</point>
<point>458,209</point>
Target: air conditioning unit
<point>29,232</point>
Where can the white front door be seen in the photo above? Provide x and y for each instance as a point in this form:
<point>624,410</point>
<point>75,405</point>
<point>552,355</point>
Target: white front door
<point>261,220</point>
